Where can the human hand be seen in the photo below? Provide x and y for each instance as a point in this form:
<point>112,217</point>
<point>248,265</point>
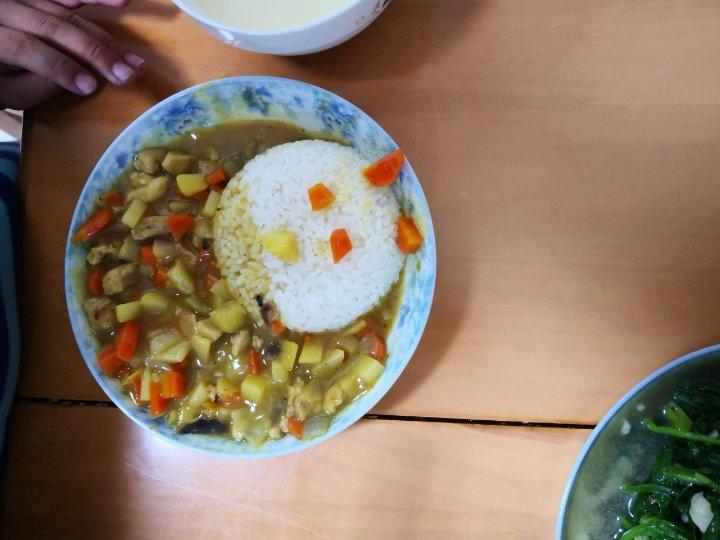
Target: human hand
<point>45,46</point>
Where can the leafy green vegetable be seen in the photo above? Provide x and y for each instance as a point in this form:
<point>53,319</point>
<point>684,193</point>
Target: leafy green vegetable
<point>648,488</point>
<point>689,464</point>
<point>678,417</point>
<point>681,433</point>
<point>655,527</point>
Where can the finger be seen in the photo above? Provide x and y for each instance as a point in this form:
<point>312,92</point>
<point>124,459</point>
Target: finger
<point>57,31</point>
<point>7,69</point>
<point>91,28</point>
<point>78,3</point>
<point>28,52</point>
<point>25,90</point>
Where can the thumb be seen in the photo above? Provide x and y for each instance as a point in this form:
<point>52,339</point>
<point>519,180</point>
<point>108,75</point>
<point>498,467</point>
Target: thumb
<point>25,90</point>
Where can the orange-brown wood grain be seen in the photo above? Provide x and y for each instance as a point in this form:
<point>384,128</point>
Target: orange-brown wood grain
<point>83,472</point>
<point>569,152</point>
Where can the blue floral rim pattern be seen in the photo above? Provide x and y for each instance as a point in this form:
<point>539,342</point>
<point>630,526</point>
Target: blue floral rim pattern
<point>316,110</point>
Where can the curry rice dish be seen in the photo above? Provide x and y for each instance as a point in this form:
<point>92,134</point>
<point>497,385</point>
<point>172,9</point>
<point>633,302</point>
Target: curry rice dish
<point>242,279</point>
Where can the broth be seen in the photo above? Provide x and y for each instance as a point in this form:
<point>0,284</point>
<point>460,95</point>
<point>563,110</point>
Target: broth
<point>268,14</point>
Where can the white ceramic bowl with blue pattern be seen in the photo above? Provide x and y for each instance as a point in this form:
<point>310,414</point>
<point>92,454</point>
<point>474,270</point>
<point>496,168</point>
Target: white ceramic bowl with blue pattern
<point>316,110</point>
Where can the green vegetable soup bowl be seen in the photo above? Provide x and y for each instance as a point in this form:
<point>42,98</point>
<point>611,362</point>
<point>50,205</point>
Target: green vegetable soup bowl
<point>622,451</point>
<point>247,98</point>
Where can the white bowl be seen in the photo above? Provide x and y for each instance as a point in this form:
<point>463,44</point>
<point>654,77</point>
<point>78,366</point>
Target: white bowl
<point>316,36</point>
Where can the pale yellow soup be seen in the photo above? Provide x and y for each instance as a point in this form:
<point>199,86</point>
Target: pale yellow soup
<point>268,14</point>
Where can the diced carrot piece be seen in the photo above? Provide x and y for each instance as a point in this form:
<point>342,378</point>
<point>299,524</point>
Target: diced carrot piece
<point>109,361</point>
<point>385,170</point>
<point>254,365</point>
<point>158,404</point>
<point>113,198</point>
<point>127,340</point>
<point>296,427</point>
<point>160,278</point>
<point>373,345</point>
<point>179,224</point>
<point>94,282</point>
<point>340,244</point>
<point>95,223</point>
<point>218,176</point>
<point>320,196</point>
<point>148,257</point>
<point>277,327</point>
<point>173,384</point>
<point>409,238</point>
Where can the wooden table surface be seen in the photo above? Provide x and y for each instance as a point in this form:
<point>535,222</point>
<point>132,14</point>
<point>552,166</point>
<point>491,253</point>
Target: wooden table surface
<point>569,152</point>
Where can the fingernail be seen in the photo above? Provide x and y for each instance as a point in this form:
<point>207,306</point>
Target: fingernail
<point>85,83</point>
<point>122,71</point>
<point>134,60</point>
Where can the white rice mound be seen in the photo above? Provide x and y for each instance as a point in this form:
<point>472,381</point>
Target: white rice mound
<point>271,194</point>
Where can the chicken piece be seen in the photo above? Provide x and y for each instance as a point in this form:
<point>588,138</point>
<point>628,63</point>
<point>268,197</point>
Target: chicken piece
<point>164,251</point>
<point>97,253</point>
<point>188,257</point>
<point>333,398</point>
<point>117,279</point>
<point>139,179</point>
<point>149,227</point>
<point>239,342</point>
<point>151,192</point>
<point>302,410</point>
<point>149,160</point>
<point>101,313</point>
<point>206,166</point>
<point>293,393</point>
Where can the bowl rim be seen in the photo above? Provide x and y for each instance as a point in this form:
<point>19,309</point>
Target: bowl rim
<point>368,400</point>
<point>277,32</point>
<point>615,409</point>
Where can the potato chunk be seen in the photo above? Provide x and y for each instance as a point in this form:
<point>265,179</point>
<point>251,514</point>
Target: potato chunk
<point>282,244</point>
<point>229,317</point>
